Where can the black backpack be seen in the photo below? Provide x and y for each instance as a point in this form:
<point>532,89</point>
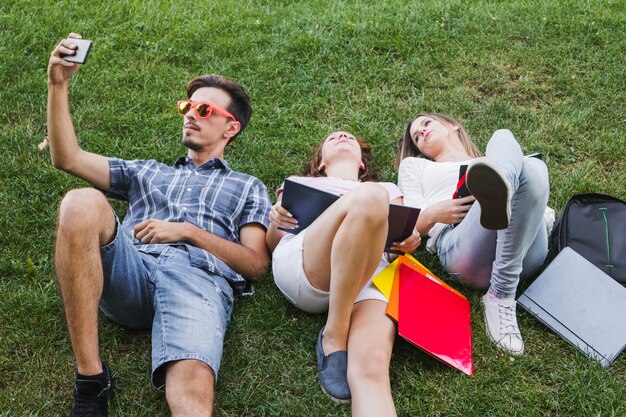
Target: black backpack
<point>594,225</point>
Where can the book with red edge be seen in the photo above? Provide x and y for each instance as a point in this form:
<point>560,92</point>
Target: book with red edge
<point>306,203</point>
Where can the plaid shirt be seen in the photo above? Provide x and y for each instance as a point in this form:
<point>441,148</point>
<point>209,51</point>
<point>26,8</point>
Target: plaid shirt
<point>212,197</point>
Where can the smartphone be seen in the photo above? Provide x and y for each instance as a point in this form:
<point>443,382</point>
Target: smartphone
<point>80,53</point>
<point>461,190</point>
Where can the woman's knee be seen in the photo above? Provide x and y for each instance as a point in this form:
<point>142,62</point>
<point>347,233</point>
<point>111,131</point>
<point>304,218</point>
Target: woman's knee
<point>369,200</point>
<point>478,281</point>
<point>535,175</point>
<point>369,365</point>
<point>83,208</point>
<point>469,261</point>
<point>501,136</point>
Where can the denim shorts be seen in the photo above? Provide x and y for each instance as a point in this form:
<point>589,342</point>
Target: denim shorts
<point>187,308</point>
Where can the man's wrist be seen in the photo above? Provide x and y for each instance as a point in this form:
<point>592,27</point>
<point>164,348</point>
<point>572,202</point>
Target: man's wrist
<point>62,85</point>
<point>190,232</point>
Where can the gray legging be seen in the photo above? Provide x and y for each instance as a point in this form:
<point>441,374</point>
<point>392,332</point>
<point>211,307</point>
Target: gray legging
<point>496,259</point>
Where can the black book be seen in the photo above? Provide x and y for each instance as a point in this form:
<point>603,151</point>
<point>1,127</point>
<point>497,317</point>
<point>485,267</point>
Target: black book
<point>306,203</point>
<point>581,304</point>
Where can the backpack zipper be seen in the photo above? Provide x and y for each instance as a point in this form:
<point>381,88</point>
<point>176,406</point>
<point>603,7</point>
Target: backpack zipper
<point>609,265</point>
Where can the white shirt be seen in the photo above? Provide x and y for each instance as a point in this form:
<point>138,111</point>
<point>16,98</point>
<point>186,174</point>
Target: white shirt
<point>424,183</point>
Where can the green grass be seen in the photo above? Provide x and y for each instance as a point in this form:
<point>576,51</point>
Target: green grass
<point>551,71</point>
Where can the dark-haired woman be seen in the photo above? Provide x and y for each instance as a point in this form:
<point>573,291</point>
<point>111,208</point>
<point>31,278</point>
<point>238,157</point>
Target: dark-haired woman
<point>329,266</point>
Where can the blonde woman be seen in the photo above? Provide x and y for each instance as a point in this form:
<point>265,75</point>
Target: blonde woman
<point>487,245</point>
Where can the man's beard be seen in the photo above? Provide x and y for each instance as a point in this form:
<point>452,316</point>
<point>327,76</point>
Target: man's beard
<point>189,143</point>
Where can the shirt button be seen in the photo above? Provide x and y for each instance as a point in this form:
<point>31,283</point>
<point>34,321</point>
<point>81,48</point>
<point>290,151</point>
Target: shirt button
<point>195,172</point>
<point>189,189</point>
<point>184,208</point>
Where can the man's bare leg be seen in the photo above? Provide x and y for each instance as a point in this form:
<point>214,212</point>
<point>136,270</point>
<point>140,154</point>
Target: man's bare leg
<point>189,386</point>
<point>85,223</point>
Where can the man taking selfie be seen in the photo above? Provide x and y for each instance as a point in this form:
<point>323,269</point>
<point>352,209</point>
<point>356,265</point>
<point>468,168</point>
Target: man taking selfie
<point>193,235</point>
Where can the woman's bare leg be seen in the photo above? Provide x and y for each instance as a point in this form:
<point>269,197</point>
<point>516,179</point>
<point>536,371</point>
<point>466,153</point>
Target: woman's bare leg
<point>370,343</point>
<point>350,235</point>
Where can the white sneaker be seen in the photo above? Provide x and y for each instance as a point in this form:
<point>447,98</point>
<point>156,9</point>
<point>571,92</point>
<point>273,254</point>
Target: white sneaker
<point>492,191</point>
<point>501,323</point>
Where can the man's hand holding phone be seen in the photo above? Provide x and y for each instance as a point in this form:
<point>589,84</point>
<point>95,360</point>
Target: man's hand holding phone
<point>67,57</point>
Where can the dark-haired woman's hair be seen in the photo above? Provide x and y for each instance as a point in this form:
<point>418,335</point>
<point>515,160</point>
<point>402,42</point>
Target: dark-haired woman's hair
<point>368,173</point>
<point>240,105</point>
<point>407,148</point>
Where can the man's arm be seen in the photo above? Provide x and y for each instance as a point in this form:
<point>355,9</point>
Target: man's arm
<point>250,258</point>
<point>64,149</point>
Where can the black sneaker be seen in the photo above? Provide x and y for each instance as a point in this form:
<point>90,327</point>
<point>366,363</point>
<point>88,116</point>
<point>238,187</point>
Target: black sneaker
<point>492,191</point>
<point>91,397</point>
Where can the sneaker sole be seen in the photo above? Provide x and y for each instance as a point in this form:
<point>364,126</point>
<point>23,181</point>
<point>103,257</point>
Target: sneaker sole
<point>335,399</point>
<point>492,193</point>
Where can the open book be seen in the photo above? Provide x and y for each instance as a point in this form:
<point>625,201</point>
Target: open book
<point>306,203</point>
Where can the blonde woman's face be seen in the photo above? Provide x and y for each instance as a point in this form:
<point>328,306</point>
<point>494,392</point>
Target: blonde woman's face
<point>430,134</point>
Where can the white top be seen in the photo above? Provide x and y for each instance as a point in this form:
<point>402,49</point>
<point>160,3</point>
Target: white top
<point>340,186</point>
<point>424,183</point>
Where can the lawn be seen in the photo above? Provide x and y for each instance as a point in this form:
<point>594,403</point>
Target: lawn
<point>550,71</point>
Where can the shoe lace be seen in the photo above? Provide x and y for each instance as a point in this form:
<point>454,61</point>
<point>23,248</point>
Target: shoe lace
<point>508,320</point>
<point>90,404</point>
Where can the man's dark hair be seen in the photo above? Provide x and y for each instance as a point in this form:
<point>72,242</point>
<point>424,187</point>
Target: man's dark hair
<point>240,105</point>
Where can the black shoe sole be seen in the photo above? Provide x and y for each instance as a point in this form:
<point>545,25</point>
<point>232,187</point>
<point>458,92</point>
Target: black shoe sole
<point>492,193</point>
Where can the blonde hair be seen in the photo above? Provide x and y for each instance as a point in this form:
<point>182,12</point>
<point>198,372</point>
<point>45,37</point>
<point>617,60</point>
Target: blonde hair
<point>407,148</point>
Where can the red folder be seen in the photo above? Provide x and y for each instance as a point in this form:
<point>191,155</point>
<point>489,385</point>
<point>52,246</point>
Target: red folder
<point>435,319</point>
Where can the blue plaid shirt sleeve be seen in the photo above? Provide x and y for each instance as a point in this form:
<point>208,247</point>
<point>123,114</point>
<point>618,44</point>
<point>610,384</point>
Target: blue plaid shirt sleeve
<point>120,172</point>
<point>258,205</point>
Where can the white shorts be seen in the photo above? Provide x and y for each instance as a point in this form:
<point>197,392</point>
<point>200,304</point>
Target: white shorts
<point>289,276</point>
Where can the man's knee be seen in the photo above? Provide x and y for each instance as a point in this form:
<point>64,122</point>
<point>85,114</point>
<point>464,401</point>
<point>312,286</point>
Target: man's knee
<point>84,208</point>
<point>189,384</point>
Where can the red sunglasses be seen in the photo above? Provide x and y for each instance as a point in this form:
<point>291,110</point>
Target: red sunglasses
<point>201,109</point>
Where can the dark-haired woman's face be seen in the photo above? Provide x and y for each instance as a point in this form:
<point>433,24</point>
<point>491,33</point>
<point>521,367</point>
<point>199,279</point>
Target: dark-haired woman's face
<point>341,145</point>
